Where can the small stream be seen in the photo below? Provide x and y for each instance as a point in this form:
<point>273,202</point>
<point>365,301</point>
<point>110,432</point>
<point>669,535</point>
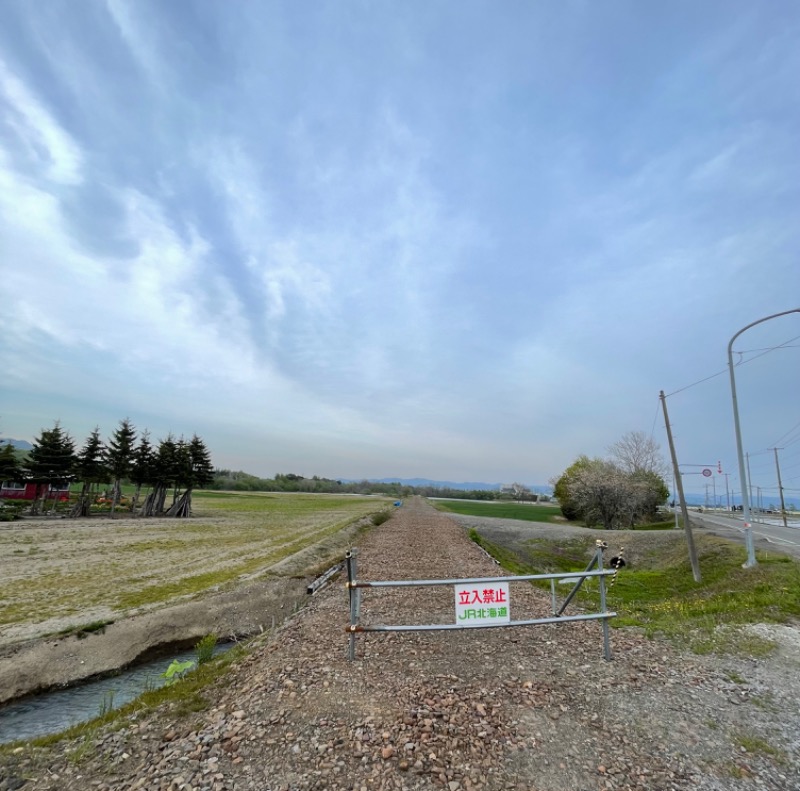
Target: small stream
<point>51,712</point>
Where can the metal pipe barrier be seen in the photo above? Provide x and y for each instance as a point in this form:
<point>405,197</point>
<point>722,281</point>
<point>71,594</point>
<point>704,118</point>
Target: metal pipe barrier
<point>355,586</point>
<point>323,579</point>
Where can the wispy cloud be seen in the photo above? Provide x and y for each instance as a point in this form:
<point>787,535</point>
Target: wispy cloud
<point>140,42</point>
<point>40,144</point>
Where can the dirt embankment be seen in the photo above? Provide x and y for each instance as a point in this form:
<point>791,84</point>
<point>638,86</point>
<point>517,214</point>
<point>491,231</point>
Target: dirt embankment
<point>534,709</point>
<point>43,663</point>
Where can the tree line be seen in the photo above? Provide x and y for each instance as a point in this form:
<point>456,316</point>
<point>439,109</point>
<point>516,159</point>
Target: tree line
<point>616,492</point>
<point>170,465</point>
<point>238,481</point>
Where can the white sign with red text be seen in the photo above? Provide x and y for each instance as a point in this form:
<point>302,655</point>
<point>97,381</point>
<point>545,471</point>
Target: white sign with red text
<point>482,603</point>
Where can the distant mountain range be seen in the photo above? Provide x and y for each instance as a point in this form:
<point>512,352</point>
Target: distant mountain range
<point>464,485</point>
<point>17,443</point>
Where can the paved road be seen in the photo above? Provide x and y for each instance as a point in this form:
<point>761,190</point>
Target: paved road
<point>765,536</point>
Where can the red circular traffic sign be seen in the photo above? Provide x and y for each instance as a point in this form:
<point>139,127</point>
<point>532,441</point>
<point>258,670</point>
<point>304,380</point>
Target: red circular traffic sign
<point>707,472</point>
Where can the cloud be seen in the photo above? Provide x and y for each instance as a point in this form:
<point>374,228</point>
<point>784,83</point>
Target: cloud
<point>141,43</point>
<point>47,150</point>
<point>341,292</point>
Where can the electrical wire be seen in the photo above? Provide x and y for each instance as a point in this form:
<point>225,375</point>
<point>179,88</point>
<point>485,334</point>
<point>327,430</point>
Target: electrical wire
<point>780,439</point>
<point>694,384</point>
<point>783,345</point>
<point>655,417</point>
<point>770,348</point>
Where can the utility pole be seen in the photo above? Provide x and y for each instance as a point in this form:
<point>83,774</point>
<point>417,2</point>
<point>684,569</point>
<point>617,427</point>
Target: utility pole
<point>675,503</point>
<point>727,490</point>
<point>780,486</point>
<point>749,479</point>
<point>687,527</point>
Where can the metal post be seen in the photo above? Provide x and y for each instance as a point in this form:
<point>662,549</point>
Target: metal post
<point>603,609</point>
<point>748,533</point>
<point>727,492</point>
<point>553,597</point>
<point>749,481</point>
<point>354,596</point>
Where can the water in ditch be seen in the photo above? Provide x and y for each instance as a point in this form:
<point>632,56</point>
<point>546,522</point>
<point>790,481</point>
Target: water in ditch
<point>51,712</point>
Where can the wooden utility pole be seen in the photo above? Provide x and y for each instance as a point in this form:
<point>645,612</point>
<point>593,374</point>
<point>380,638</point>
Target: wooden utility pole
<point>780,487</point>
<point>687,527</point>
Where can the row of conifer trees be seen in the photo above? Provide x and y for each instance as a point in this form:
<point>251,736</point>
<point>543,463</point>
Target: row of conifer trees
<point>171,465</point>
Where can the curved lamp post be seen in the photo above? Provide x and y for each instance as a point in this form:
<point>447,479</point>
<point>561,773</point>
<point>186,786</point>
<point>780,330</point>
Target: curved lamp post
<point>748,533</point>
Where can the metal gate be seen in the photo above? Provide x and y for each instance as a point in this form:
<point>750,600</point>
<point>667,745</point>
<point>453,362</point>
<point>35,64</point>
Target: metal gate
<point>594,569</point>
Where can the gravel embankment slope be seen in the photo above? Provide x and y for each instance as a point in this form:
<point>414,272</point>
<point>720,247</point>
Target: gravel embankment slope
<point>534,708</point>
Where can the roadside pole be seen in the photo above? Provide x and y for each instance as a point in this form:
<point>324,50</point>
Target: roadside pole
<point>687,527</point>
<point>750,486</point>
<point>748,531</point>
<point>780,487</point>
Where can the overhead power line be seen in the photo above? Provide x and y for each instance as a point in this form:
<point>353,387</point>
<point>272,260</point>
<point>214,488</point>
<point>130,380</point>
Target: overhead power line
<point>770,348</point>
<point>780,439</point>
<point>784,345</point>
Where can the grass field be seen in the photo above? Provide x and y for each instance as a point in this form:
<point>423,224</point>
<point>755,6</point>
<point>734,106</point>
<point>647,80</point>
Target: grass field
<point>529,513</point>
<point>54,573</point>
<point>658,592</point>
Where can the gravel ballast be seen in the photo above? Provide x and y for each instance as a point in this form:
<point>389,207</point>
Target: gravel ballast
<point>529,708</point>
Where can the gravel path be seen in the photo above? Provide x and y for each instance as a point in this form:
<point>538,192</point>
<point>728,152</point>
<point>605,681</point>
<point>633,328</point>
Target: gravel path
<point>534,708</point>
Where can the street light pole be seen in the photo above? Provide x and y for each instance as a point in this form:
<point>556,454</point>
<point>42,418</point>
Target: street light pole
<point>748,532</point>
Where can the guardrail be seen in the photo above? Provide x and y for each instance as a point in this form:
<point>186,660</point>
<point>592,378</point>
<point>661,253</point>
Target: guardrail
<point>496,593</point>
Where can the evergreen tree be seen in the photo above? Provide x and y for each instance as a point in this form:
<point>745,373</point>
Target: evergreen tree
<point>200,473</point>
<point>90,468</point>
<point>182,469</point>
<point>51,460</point>
<point>142,467</point>
<point>202,468</point>
<point>119,457</point>
<point>164,474</point>
<point>10,469</point>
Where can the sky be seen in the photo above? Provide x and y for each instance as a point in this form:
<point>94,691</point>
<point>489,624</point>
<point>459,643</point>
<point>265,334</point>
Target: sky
<point>454,240</point>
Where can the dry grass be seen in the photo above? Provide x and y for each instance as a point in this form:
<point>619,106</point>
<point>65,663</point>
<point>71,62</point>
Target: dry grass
<point>54,573</point>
